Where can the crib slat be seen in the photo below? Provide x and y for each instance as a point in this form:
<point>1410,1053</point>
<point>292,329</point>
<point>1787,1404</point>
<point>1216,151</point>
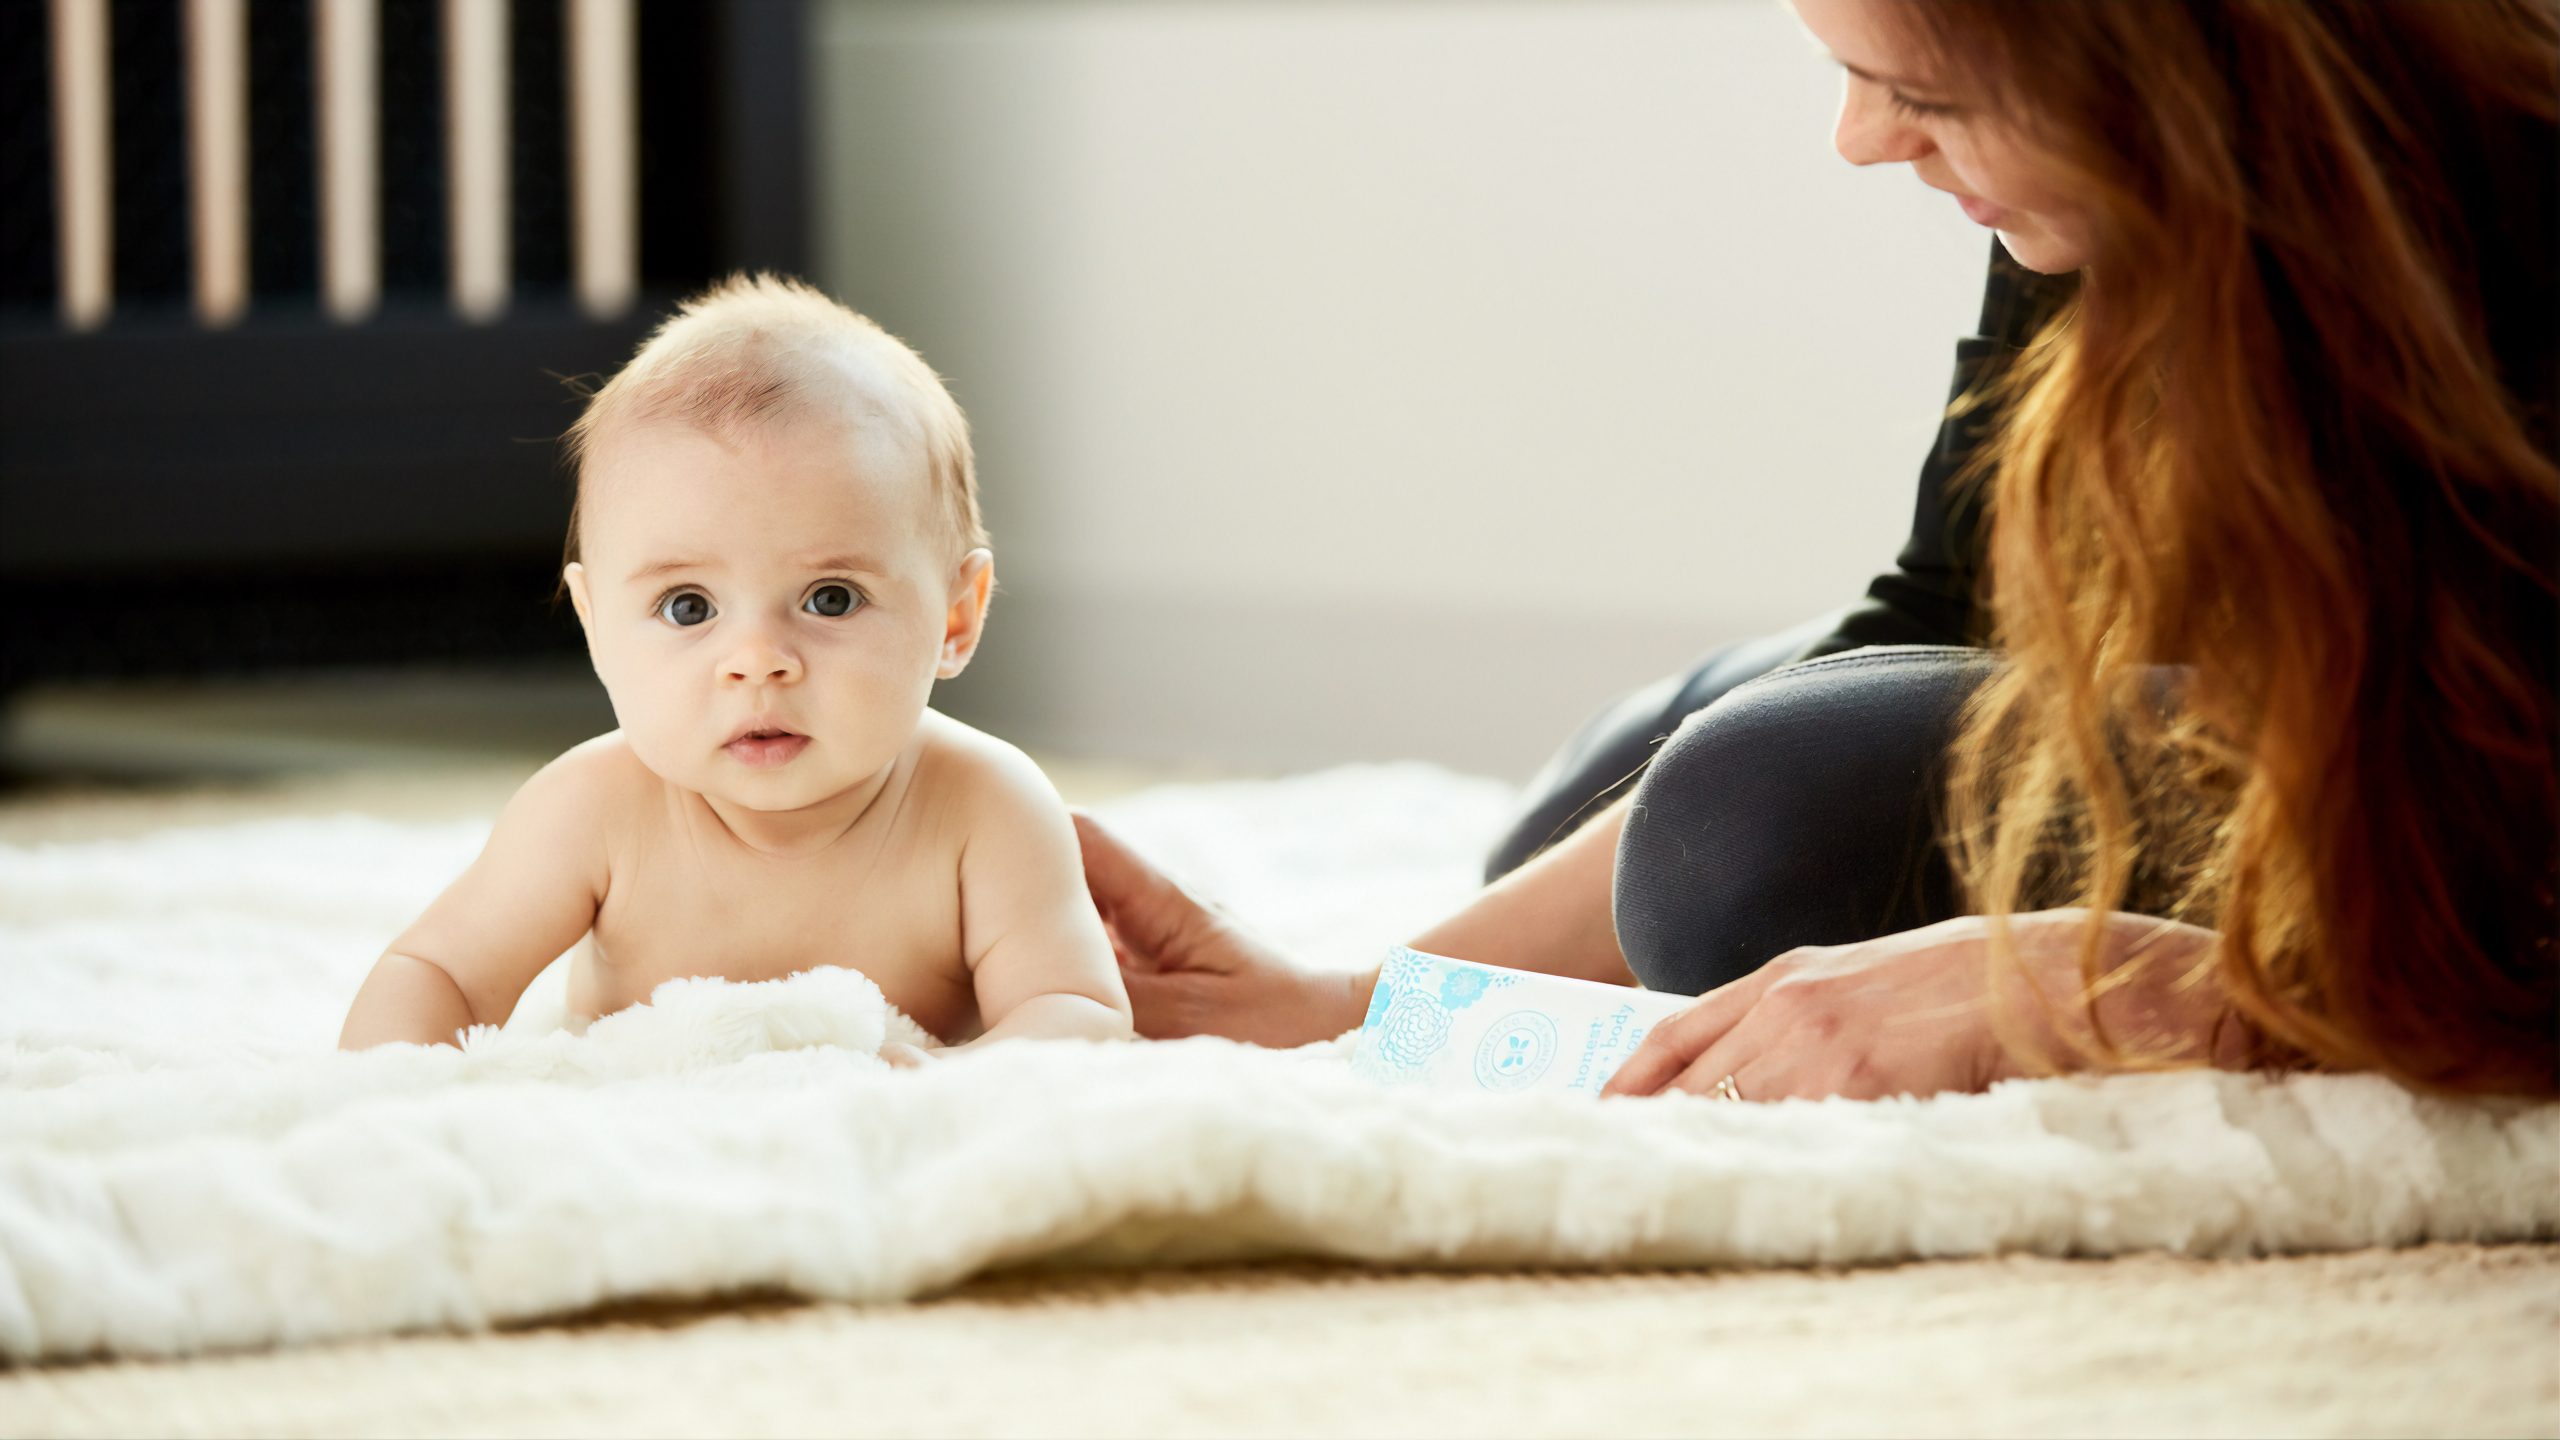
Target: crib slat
<point>83,164</point>
<point>346,54</point>
<point>604,164</point>
<point>476,141</point>
<point>217,39</point>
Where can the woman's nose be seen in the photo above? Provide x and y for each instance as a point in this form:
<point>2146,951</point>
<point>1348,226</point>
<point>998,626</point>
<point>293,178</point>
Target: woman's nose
<point>1870,133</point>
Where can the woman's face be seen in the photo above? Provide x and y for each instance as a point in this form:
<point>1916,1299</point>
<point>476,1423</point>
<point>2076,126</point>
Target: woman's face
<point>1893,112</point>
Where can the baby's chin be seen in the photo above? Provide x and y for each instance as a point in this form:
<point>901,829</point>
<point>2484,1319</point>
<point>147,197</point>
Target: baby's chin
<point>814,775</point>
<point>778,789</point>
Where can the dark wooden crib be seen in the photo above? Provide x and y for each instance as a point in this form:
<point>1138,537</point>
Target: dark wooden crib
<point>289,289</point>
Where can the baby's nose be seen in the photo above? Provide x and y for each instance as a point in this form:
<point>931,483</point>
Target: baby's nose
<point>760,662</point>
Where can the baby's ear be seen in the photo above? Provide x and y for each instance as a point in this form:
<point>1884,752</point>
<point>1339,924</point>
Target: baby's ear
<point>966,621</point>
<point>573,578</point>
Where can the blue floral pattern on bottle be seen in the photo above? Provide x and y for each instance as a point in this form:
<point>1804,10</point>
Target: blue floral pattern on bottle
<point>1462,988</point>
<point>1414,1028</point>
<point>1409,1015</point>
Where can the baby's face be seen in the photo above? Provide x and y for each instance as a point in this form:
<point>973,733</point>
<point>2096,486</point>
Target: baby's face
<point>768,611</point>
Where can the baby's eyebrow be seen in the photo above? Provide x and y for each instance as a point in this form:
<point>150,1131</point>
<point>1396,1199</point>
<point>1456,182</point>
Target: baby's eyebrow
<point>841,562</point>
<point>666,567</point>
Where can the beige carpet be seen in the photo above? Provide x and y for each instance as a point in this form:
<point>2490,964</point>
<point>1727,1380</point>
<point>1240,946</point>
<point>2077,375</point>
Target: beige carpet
<point>2447,1340</point>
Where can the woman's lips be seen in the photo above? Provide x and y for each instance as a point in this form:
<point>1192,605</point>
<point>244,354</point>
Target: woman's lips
<point>762,751</point>
<point>1981,211</point>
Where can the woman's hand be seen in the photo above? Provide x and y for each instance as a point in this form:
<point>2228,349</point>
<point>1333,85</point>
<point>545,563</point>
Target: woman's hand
<point>1910,1013</point>
<point>1191,970</point>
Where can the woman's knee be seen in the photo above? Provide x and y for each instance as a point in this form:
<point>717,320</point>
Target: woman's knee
<point>1801,809</point>
<point>1604,758</point>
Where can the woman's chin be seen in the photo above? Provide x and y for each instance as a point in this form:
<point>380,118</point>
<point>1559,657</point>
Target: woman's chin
<point>2041,251</point>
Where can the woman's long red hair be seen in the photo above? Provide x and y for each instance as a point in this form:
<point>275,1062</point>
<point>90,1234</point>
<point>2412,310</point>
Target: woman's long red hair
<point>2294,436</point>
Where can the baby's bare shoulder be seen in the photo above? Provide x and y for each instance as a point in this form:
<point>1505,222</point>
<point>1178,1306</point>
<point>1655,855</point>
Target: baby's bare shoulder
<point>599,768</point>
<point>596,783</point>
<point>980,778</point>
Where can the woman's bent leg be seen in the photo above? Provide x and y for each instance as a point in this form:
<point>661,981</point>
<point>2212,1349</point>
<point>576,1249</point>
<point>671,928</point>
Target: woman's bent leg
<point>1803,808</point>
<point>1604,759</point>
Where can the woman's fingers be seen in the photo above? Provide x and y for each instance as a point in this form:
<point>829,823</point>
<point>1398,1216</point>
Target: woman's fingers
<point>1901,1014</point>
<point>1676,1043</point>
<point>1670,1047</point>
<point>1809,1037</point>
<point>1146,912</point>
<point>1752,1079</point>
<point>1191,970</point>
<point>1112,871</point>
<point>1764,1060</point>
<point>1159,1003</point>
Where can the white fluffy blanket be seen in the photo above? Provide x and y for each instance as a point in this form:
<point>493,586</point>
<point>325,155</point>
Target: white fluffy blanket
<point>185,1165</point>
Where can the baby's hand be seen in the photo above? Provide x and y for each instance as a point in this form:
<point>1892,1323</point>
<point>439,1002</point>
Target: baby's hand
<point>902,1056</point>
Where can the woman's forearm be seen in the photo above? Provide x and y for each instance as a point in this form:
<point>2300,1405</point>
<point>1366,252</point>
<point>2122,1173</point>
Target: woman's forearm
<point>2159,1002</point>
<point>1551,915</point>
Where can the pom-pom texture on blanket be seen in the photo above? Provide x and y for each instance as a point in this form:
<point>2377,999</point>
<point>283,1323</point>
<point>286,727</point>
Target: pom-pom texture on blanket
<point>185,1165</point>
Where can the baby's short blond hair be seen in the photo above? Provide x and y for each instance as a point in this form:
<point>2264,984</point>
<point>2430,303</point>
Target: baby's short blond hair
<point>759,348</point>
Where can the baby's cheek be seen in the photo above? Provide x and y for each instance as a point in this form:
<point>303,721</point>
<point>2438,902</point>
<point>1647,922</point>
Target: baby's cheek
<point>655,721</point>
<point>883,676</point>
<point>653,750</point>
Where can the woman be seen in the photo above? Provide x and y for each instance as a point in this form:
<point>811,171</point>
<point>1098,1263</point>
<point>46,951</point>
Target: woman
<point>2261,762</point>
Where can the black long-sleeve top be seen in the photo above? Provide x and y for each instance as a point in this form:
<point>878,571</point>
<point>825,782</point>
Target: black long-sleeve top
<point>1930,596</point>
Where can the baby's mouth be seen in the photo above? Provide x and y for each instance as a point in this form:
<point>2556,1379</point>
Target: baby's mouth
<point>766,745</point>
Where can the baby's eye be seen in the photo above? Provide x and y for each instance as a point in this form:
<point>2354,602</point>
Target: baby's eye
<point>831,600</point>
<point>685,609</point>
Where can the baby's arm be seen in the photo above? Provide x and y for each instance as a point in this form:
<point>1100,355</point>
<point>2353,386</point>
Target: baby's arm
<point>1037,954</point>
<point>531,894</point>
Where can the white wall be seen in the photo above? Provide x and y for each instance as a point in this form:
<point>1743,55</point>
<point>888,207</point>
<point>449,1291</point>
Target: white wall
<point>1367,378</point>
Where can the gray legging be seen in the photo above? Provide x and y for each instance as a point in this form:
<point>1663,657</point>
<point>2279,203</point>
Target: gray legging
<point>1800,806</point>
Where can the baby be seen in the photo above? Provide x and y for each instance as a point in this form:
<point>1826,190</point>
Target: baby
<point>775,551</point>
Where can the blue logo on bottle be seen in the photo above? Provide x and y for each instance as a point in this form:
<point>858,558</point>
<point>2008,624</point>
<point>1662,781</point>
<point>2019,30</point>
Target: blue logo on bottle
<point>1516,1051</point>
